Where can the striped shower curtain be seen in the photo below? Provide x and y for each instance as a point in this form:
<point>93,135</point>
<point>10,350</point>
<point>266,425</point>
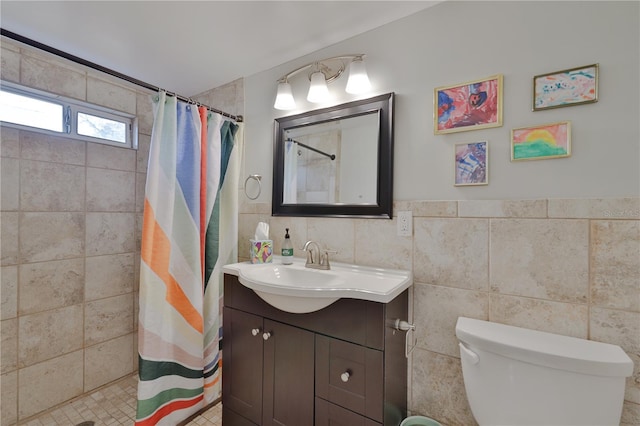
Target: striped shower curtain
<point>189,232</point>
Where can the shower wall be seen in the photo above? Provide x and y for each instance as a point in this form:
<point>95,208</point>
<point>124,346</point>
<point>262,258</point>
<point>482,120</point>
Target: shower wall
<point>317,175</point>
<point>71,214</point>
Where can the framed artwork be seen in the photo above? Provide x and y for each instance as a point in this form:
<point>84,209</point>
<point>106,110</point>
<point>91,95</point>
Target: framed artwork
<point>472,162</point>
<point>541,142</point>
<point>472,105</point>
<point>574,86</point>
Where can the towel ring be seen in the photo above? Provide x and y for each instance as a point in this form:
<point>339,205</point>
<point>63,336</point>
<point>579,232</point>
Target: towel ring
<point>258,179</point>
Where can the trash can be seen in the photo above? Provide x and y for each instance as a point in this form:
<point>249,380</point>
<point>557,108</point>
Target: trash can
<point>419,421</point>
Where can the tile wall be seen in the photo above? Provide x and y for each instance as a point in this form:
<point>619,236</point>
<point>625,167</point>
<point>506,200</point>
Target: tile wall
<point>70,217</point>
<point>567,266</point>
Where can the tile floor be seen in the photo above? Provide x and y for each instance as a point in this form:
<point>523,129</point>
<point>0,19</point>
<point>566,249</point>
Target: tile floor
<point>110,406</point>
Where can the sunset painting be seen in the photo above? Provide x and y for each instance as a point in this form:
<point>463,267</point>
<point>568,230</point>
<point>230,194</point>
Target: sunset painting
<point>541,142</point>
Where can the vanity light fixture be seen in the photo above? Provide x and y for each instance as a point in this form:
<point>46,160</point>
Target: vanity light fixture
<point>321,73</point>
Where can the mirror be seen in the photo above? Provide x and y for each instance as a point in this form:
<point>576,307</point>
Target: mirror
<point>335,162</point>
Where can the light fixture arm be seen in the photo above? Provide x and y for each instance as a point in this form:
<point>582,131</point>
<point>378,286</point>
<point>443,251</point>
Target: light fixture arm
<point>334,75</point>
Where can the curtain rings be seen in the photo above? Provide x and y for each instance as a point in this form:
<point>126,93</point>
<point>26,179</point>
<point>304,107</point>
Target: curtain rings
<point>257,178</point>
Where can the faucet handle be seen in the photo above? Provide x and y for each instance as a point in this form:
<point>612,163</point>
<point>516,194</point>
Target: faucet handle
<point>326,256</point>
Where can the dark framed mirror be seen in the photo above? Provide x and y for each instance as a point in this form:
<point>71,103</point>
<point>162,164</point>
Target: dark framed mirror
<point>336,161</point>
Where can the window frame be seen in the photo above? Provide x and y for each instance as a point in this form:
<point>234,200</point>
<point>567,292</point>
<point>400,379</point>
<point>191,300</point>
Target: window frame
<point>71,108</point>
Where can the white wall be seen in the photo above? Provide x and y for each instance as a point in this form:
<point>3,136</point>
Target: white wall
<point>455,42</point>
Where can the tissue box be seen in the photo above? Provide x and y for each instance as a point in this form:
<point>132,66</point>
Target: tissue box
<point>261,251</point>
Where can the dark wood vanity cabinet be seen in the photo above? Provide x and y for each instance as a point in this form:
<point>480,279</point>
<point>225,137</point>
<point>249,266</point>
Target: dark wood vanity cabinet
<point>267,366</point>
<point>243,364</point>
<point>342,365</point>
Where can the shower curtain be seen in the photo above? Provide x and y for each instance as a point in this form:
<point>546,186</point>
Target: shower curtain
<point>290,190</point>
<point>189,231</point>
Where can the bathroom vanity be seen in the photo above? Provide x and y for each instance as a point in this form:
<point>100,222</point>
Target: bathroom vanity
<point>344,364</point>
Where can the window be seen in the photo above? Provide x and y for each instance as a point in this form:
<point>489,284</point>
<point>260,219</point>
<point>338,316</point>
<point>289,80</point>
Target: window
<point>100,127</point>
<point>39,111</point>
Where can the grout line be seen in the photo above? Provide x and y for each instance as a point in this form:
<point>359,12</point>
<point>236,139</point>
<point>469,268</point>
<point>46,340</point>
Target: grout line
<point>109,408</point>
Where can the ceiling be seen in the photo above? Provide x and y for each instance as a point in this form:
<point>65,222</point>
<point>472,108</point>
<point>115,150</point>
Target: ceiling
<point>189,47</point>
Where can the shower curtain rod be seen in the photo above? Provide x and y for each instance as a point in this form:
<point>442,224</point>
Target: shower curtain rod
<point>332,156</point>
<point>73,58</point>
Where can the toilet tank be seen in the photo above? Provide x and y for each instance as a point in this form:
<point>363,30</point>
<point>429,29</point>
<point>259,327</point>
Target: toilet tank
<point>515,376</point>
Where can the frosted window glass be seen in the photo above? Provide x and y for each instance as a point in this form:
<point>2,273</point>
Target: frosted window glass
<point>102,128</point>
<point>31,112</point>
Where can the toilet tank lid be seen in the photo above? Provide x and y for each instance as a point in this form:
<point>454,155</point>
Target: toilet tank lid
<point>545,349</point>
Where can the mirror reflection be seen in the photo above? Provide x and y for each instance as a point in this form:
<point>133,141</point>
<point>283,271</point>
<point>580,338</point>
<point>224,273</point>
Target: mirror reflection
<point>335,161</point>
<point>332,162</point>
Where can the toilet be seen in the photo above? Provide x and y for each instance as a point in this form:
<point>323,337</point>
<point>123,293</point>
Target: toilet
<point>515,376</point>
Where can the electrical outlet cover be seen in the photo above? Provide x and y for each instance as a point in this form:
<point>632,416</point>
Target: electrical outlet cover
<point>405,224</point>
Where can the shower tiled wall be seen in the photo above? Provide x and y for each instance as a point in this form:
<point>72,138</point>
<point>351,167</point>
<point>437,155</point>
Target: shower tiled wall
<point>70,217</point>
<point>567,266</point>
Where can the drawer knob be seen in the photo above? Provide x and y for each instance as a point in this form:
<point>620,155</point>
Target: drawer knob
<point>255,331</point>
<point>345,376</point>
<point>266,336</point>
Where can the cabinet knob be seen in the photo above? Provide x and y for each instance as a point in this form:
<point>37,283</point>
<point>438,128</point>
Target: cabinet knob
<point>255,331</point>
<point>345,376</point>
<point>266,336</point>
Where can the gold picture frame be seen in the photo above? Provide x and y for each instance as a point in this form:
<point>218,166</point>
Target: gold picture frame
<point>570,87</point>
<point>541,142</point>
<point>472,105</point>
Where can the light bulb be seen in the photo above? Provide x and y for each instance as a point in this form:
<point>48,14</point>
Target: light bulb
<point>318,90</point>
<point>358,79</point>
<point>284,98</point>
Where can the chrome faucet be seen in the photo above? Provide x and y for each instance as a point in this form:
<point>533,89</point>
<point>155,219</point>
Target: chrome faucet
<point>320,260</point>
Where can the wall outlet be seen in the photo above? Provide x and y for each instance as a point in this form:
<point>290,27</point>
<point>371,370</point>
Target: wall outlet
<point>405,224</point>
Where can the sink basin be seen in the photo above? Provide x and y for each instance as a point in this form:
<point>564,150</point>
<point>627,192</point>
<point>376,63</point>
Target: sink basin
<point>297,289</point>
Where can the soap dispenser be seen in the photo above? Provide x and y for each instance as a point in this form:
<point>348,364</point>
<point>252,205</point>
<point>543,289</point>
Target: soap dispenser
<point>287,249</point>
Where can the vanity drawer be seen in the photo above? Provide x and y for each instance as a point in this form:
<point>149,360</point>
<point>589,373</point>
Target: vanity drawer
<point>350,376</point>
<point>328,414</point>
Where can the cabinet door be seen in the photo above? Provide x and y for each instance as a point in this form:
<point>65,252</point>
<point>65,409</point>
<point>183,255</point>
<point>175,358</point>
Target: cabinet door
<point>288,390</point>
<point>350,376</point>
<point>242,364</point>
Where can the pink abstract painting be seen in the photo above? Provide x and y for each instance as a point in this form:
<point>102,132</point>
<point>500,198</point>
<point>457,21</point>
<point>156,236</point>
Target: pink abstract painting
<point>469,106</point>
